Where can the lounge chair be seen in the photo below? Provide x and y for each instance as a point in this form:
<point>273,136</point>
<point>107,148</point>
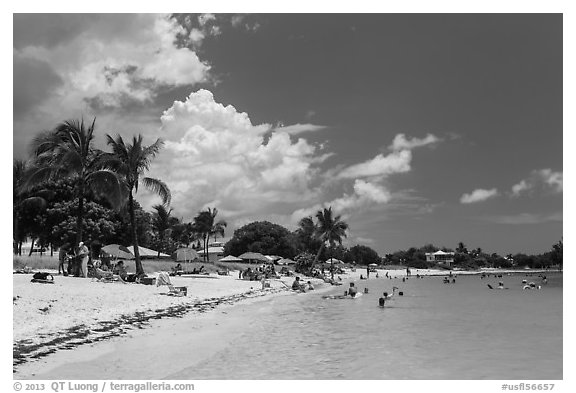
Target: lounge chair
<point>164,279</point>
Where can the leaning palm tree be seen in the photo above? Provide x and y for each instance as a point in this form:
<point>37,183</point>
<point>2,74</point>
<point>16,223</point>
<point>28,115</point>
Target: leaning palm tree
<point>131,161</point>
<point>67,152</point>
<point>330,230</point>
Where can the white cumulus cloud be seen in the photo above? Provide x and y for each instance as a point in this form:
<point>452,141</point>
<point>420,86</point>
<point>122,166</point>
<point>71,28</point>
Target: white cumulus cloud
<point>544,180</point>
<point>120,56</point>
<point>478,195</point>
<point>381,165</point>
<point>215,155</point>
<point>400,142</point>
<point>298,128</point>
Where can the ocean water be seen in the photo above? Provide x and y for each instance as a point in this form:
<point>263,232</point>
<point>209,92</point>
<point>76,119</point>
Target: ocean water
<point>434,331</point>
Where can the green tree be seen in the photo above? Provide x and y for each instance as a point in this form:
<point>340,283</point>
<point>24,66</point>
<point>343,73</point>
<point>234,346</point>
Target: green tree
<point>263,237</point>
<point>364,255</point>
<point>306,236</point>
<point>25,204</point>
<point>330,230</point>
<point>100,224</point>
<point>163,222</point>
<point>205,224</point>
<point>557,251</point>
<point>131,161</point>
<point>68,152</point>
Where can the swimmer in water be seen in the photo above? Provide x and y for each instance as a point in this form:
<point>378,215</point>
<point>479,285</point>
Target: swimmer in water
<point>352,290</point>
<point>381,302</point>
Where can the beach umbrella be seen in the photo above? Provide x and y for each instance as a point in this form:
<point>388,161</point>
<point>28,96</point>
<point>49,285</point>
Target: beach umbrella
<point>146,252</point>
<point>373,265</point>
<point>286,261</point>
<point>230,258</point>
<point>334,260</point>
<point>118,251</point>
<point>185,254</point>
<point>253,256</point>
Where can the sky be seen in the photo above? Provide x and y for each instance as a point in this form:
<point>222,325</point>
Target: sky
<point>415,128</point>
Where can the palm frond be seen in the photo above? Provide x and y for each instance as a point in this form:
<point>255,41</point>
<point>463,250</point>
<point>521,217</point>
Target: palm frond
<point>36,175</point>
<point>106,183</point>
<point>35,202</point>
<point>158,187</point>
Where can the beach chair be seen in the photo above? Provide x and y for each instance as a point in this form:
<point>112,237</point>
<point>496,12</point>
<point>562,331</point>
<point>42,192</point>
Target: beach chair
<point>164,279</point>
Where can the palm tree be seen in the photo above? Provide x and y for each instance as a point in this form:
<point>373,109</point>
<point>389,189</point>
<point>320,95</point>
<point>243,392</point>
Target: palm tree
<point>329,229</point>
<point>162,221</point>
<point>307,234</point>
<point>202,226</point>
<point>217,227</point>
<point>67,151</point>
<point>131,161</point>
<point>20,201</point>
<point>205,224</point>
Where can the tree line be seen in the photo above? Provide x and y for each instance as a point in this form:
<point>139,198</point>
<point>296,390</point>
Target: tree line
<point>69,191</point>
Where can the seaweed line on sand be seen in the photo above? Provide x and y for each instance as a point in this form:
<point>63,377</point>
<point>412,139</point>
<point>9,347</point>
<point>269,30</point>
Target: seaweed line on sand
<point>25,350</point>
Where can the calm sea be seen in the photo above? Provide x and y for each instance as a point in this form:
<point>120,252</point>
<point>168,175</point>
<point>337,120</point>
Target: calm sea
<point>434,331</point>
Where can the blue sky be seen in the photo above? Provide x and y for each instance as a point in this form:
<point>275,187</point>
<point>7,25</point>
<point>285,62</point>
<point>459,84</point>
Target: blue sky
<point>417,128</point>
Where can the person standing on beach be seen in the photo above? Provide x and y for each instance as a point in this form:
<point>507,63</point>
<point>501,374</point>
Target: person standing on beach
<point>62,257</point>
<point>83,259</point>
<point>367,272</point>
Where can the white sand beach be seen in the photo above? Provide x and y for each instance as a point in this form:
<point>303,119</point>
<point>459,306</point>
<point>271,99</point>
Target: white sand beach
<point>74,313</point>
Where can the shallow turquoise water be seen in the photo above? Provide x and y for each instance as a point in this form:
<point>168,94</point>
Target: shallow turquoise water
<point>435,331</point>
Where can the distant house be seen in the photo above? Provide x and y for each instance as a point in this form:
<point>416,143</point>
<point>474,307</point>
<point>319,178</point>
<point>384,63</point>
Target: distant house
<point>441,257</point>
<point>215,252</point>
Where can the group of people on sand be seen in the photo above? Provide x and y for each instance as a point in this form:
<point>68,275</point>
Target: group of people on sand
<point>300,286</point>
<point>76,262</point>
<point>75,259</point>
<point>263,271</point>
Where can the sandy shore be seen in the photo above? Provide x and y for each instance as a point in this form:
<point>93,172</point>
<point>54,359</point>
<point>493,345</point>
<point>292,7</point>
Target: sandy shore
<point>78,314</point>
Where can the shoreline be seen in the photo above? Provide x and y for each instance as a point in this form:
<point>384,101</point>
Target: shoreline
<point>148,352</point>
<point>101,322</point>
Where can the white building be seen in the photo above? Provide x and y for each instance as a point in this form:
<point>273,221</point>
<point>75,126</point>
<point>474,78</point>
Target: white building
<point>442,257</point>
<point>215,252</point>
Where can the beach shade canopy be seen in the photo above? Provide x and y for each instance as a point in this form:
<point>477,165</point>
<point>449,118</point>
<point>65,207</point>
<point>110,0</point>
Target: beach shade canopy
<point>185,254</point>
<point>373,265</point>
<point>334,260</point>
<point>146,252</point>
<point>253,256</point>
<point>118,251</point>
<point>230,258</point>
<point>286,261</point>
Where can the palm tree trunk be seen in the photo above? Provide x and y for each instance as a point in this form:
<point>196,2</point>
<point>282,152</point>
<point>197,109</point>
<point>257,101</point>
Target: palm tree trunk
<point>80,213</point>
<point>139,268</point>
<point>206,239</point>
<point>318,254</point>
<point>31,247</point>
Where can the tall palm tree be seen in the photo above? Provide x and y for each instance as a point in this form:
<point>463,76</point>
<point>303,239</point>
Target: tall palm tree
<point>162,221</point>
<point>67,151</point>
<point>202,226</point>
<point>131,161</point>
<point>330,230</point>
<point>205,223</point>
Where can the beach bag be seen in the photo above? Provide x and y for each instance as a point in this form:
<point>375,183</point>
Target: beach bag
<point>41,276</point>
